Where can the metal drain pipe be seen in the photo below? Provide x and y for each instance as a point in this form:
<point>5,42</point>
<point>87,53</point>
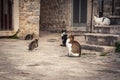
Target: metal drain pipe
<point>91,23</point>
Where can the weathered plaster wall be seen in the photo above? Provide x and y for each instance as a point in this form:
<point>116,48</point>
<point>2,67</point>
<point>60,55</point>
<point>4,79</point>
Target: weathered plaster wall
<point>55,15</point>
<point>29,17</point>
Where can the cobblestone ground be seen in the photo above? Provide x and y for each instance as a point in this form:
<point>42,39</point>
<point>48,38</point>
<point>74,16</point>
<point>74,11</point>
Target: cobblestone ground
<point>49,62</point>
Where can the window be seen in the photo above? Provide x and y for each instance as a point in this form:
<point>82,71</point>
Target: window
<point>79,12</point>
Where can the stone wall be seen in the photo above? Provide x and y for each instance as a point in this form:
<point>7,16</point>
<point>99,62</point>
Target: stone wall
<point>55,15</point>
<point>29,13</point>
<point>107,7</point>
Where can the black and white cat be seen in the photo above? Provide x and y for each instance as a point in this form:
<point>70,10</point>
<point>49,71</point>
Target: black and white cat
<point>64,38</point>
<point>102,20</point>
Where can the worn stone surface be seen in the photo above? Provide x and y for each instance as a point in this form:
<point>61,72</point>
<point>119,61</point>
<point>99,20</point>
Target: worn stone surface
<point>29,17</point>
<point>49,62</point>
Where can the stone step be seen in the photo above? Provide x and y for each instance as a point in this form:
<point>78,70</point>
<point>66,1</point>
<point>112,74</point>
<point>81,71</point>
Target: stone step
<point>98,48</point>
<point>101,39</point>
<point>107,29</point>
<point>76,33</point>
<point>89,52</point>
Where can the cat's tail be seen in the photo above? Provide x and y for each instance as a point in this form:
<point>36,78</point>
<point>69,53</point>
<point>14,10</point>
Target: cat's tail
<point>80,51</point>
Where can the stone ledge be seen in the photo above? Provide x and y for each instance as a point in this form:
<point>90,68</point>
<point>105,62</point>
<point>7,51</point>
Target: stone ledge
<point>98,48</point>
<point>101,39</point>
<point>100,35</point>
<point>114,16</point>
<point>111,29</point>
<point>102,26</point>
<point>7,33</point>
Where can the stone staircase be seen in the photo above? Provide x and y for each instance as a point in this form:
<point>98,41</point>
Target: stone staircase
<point>102,39</point>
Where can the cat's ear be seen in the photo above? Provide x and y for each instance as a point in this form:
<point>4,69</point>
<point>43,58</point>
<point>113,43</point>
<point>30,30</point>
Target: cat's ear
<point>33,34</point>
<point>18,30</point>
<point>64,31</point>
<point>96,15</point>
<point>72,37</point>
<point>36,40</point>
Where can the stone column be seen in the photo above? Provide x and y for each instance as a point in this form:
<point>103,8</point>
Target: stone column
<point>29,17</point>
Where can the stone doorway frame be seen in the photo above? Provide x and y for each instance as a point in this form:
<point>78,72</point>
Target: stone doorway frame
<point>84,28</point>
<point>15,20</point>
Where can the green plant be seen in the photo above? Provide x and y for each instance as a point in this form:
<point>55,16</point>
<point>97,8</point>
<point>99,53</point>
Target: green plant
<point>84,53</point>
<point>117,47</point>
<point>14,37</point>
<point>103,54</point>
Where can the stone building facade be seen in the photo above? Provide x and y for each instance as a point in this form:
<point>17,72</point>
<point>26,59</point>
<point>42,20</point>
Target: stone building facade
<point>31,16</point>
<point>55,12</point>
<point>25,16</point>
<point>57,15</point>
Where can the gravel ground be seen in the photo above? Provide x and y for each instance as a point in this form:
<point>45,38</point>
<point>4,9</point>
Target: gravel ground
<point>49,62</point>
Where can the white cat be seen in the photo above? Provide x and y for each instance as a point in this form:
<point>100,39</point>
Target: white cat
<point>74,48</point>
<point>102,20</point>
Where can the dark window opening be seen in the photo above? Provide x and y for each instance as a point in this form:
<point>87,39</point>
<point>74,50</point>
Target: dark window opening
<point>6,15</point>
<point>76,11</point>
<point>79,12</point>
<point>101,8</point>
<point>116,7</point>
